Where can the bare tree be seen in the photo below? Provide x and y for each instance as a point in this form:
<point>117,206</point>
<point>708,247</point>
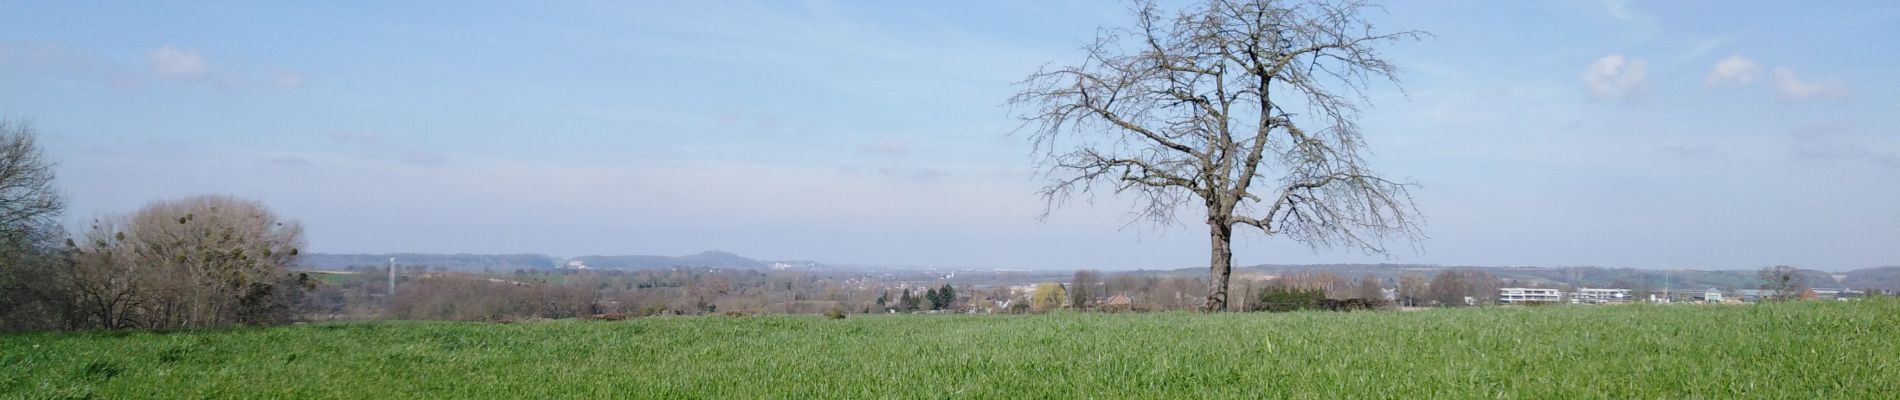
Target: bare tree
<point>195,262</point>
<point>1369,288</point>
<point>1412,288</point>
<point>29,204</point>
<point>1334,286</point>
<point>1183,112</point>
<point>1786,281</point>
<point>30,260</point>
<point>1128,284</point>
<point>103,278</point>
<point>1448,289</point>
<point>1084,287</point>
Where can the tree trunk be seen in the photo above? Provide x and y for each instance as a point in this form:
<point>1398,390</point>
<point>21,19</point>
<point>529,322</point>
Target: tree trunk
<point>1220,266</point>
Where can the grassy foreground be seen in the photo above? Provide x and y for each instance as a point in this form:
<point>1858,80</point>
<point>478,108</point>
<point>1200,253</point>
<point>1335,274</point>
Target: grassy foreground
<point>1798,350</point>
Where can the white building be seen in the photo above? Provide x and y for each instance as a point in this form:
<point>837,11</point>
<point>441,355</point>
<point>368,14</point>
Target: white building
<point>1838,294</point>
<point>1600,296</point>
<point>1528,295</point>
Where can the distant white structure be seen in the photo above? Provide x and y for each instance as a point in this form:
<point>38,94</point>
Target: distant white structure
<point>1712,295</point>
<point>1023,290</point>
<point>576,264</point>
<point>1755,295</point>
<point>1600,296</point>
<point>1837,294</point>
<point>1528,295</point>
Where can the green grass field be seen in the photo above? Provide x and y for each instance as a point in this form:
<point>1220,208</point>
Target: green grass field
<point>1797,350</point>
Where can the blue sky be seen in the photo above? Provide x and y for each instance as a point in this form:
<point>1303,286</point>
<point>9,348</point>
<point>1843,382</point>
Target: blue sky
<point>1668,134</point>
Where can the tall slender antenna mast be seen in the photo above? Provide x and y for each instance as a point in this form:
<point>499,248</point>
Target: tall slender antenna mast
<point>392,278</point>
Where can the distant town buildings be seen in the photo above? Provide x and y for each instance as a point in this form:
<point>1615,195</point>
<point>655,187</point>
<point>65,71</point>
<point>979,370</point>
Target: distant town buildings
<point>1520,295</point>
<point>1600,296</point>
<point>1755,295</point>
<point>1712,295</point>
<point>1528,295</point>
<point>1835,294</point>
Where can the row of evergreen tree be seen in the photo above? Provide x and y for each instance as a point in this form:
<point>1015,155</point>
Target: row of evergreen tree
<point>939,298</point>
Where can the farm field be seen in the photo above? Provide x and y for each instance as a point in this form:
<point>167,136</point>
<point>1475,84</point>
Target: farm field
<point>1803,349</point>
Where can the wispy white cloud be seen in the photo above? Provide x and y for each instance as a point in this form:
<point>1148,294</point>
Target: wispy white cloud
<point>1732,71</point>
<point>286,79</point>
<point>174,63</point>
<point>1615,77</point>
<point>423,159</point>
<point>291,161</point>
<point>1700,48</point>
<point>358,137</point>
<point>1620,10</point>
<point>901,173</point>
<point>1689,151</point>
<point>1634,26</point>
<point>32,54</point>
<point>886,147</point>
<point>10,54</point>
<point>1820,141</point>
<point>1792,87</point>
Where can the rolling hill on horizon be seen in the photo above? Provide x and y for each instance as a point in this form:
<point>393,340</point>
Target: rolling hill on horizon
<point>1884,277</point>
<point>477,262</point>
<point>710,258</point>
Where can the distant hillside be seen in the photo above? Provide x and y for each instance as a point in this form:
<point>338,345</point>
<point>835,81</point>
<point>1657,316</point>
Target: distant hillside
<point>508,262</point>
<point>1885,278</point>
<point>457,262</point>
<point>1599,276</point>
<point>713,258</point>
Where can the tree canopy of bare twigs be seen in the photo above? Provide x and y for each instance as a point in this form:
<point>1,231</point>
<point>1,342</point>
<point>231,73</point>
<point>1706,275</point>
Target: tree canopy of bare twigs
<point>29,231</point>
<point>29,204</point>
<point>1245,108</point>
<point>201,261</point>
<point>1786,282</point>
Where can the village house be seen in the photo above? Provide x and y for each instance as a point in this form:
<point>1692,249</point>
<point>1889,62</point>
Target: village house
<point>1118,302</point>
<point>1600,296</point>
<point>1755,295</point>
<point>1528,295</point>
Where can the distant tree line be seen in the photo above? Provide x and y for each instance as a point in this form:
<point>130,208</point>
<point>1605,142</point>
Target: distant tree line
<point>531,294</point>
<point>1292,290</point>
<point>452,262</point>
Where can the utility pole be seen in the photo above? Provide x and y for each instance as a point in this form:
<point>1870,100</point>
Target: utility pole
<point>1666,297</point>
